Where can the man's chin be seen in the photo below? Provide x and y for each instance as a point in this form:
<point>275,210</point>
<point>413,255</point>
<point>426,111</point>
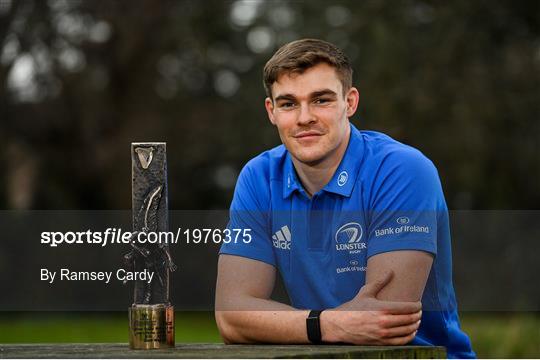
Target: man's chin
<point>308,159</point>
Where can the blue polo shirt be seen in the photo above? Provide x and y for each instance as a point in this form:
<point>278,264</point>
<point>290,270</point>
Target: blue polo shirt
<point>384,196</point>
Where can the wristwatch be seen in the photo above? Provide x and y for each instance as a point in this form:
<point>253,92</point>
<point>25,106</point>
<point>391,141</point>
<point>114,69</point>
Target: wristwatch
<point>313,325</point>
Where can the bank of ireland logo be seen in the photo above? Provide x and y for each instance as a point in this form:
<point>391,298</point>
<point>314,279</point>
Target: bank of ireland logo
<point>349,236</point>
<point>403,220</point>
<point>342,178</point>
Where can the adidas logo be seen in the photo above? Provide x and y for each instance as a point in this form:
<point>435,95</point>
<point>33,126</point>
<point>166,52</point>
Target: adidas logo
<point>282,238</point>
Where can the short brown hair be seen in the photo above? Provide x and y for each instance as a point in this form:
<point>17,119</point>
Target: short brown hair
<point>300,55</point>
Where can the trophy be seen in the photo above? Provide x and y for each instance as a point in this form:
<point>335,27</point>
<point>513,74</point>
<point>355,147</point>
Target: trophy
<point>151,317</point>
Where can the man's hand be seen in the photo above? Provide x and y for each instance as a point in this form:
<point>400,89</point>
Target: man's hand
<point>364,320</point>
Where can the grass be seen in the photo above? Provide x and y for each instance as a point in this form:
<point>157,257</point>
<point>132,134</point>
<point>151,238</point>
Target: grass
<point>494,335</point>
<point>96,327</point>
<point>503,335</point>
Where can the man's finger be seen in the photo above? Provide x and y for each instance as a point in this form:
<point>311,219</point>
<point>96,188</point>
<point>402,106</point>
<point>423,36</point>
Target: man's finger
<point>401,331</point>
<point>400,340</point>
<point>399,307</point>
<point>373,288</point>
<point>391,321</point>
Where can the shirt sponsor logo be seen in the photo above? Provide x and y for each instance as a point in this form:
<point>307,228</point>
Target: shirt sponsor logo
<point>282,238</point>
<point>350,268</point>
<point>402,220</point>
<point>349,236</point>
<point>354,265</point>
<point>342,178</point>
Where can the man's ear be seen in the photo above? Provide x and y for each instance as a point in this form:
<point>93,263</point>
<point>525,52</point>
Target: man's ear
<point>352,98</point>
<point>269,105</point>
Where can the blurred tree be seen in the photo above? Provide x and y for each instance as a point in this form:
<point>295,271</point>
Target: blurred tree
<point>80,80</point>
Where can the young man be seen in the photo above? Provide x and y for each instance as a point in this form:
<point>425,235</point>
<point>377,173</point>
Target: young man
<point>355,222</point>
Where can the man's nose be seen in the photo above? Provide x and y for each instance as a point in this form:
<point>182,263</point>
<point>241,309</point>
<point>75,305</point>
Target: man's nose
<point>306,116</point>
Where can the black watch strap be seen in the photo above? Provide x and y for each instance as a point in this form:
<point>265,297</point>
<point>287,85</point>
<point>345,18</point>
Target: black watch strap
<point>313,325</point>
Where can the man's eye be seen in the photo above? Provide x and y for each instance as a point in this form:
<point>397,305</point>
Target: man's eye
<point>286,105</point>
<point>321,101</point>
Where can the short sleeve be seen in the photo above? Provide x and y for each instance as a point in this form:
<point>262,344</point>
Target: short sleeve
<point>249,214</point>
<point>407,201</point>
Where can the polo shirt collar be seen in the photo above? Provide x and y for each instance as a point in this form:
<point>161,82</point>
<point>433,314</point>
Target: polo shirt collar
<point>343,180</point>
<point>291,183</point>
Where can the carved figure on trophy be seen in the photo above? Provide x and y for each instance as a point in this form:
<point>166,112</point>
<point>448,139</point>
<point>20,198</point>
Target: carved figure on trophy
<point>155,257</point>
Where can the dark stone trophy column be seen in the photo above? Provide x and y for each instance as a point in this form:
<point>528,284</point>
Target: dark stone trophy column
<point>151,317</point>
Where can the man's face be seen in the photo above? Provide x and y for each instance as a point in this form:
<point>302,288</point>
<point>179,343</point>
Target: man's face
<point>311,113</point>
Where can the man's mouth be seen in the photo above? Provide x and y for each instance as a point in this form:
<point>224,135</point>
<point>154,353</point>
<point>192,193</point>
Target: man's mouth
<point>307,135</point>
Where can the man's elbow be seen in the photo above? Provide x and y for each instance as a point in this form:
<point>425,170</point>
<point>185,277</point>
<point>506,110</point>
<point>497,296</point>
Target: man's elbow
<point>229,332</point>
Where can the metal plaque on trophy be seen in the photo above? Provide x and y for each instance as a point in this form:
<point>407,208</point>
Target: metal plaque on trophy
<point>151,317</point>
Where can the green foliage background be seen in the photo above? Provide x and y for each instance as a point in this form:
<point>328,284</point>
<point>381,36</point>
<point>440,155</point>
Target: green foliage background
<point>459,80</point>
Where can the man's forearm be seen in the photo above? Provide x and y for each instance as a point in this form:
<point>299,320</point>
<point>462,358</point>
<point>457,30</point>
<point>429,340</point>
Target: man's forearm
<point>245,313</point>
<point>262,321</point>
